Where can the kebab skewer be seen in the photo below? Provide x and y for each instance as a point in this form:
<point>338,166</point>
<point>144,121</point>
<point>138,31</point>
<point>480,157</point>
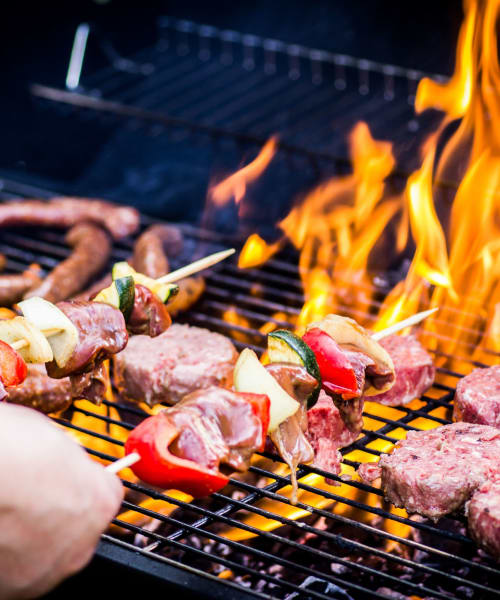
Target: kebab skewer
<point>288,385</point>
<point>121,294</point>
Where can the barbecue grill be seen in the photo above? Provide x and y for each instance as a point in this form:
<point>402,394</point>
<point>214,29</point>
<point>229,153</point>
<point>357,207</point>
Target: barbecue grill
<point>225,93</point>
<point>344,544</point>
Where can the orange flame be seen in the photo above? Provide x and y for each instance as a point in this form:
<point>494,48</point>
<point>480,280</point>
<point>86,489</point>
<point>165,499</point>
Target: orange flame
<point>235,185</point>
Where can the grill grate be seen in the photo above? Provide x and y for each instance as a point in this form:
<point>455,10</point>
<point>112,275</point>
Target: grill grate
<point>200,78</point>
<point>346,543</point>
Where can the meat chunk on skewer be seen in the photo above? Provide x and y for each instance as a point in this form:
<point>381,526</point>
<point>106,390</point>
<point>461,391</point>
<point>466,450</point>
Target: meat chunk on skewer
<point>177,362</point>
<point>414,368</point>
<point>192,445</point>
<point>477,399</point>
<point>101,334</point>
<point>120,221</point>
<point>91,252</point>
<point>327,433</point>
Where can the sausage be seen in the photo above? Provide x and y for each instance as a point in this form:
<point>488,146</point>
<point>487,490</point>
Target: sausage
<point>190,289</point>
<point>153,247</point>
<point>91,252</point>
<point>13,287</point>
<point>42,393</point>
<point>94,288</point>
<point>66,212</point>
<point>3,261</point>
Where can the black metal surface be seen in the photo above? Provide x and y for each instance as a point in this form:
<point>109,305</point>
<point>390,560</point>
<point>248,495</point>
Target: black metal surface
<point>208,98</point>
<point>344,545</point>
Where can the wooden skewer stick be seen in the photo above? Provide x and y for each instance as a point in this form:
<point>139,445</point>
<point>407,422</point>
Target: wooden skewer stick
<point>23,343</point>
<point>413,320</point>
<point>123,463</point>
<point>198,265</point>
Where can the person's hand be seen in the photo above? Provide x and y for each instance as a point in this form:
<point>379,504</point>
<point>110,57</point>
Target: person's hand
<point>55,501</point>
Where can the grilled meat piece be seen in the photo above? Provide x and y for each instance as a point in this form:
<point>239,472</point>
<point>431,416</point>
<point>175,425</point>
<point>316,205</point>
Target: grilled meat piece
<point>149,315</point>
<point>153,247</point>
<point>484,517</point>
<point>14,287</point>
<point>477,399</point>
<point>177,362</point>
<point>41,392</point>
<point>90,386</point>
<point>414,368</point>
<point>66,212</point>
<point>290,436</point>
<point>433,473</point>
<point>91,252</point>
<point>327,433</point>
<point>217,426</point>
<point>102,333</point>
<point>3,262</point>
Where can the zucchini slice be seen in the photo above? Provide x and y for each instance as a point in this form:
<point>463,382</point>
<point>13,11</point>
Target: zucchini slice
<point>165,291</point>
<point>120,294</point>
<point>285,346</point>
<point>44,315</point>
<point>250,375</point>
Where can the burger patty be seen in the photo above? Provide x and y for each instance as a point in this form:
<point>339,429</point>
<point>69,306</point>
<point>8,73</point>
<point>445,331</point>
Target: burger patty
<point>414,368</point>
<point>181,360</point>
<point>433,473</point>
<point>477,399</point>
<point>484,517</point>
<point>41,392</point>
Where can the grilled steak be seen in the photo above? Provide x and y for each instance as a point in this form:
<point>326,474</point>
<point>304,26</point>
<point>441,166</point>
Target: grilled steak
<point>327,433</point>
<point>120,221</point>
<point>41,392</point>
<point>433,473</point>
<point>91,252</point>
<point>173,364</point>
<point>414,368</point>
<point>477,399</point>
<point>484,517</point>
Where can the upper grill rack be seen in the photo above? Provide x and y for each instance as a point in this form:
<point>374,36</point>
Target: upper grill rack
<point>198,77</point>
<point>346,545</point>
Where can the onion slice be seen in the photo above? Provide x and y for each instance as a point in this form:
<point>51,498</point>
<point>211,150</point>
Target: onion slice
<point>37,350</point>
<point>45,315</point>
<point>251,376</point>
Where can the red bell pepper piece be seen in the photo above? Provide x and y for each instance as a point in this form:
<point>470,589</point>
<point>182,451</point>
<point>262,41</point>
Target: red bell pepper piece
<point>13,369</point>
<point>261,406</point>
<point>158,466</point>
<point>335,368</point>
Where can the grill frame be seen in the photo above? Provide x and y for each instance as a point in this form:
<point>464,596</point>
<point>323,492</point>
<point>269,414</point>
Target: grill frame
<point>179,574</point>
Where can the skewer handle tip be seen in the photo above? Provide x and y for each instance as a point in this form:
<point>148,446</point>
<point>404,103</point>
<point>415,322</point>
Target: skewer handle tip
<point>123,463</point>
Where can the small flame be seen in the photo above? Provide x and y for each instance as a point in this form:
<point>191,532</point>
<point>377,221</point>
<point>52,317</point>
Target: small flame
<point>256,251</point>
<point>235,185</point>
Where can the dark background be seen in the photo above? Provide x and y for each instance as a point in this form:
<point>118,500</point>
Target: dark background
<point>39,146</point>
<point>36,41</point>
